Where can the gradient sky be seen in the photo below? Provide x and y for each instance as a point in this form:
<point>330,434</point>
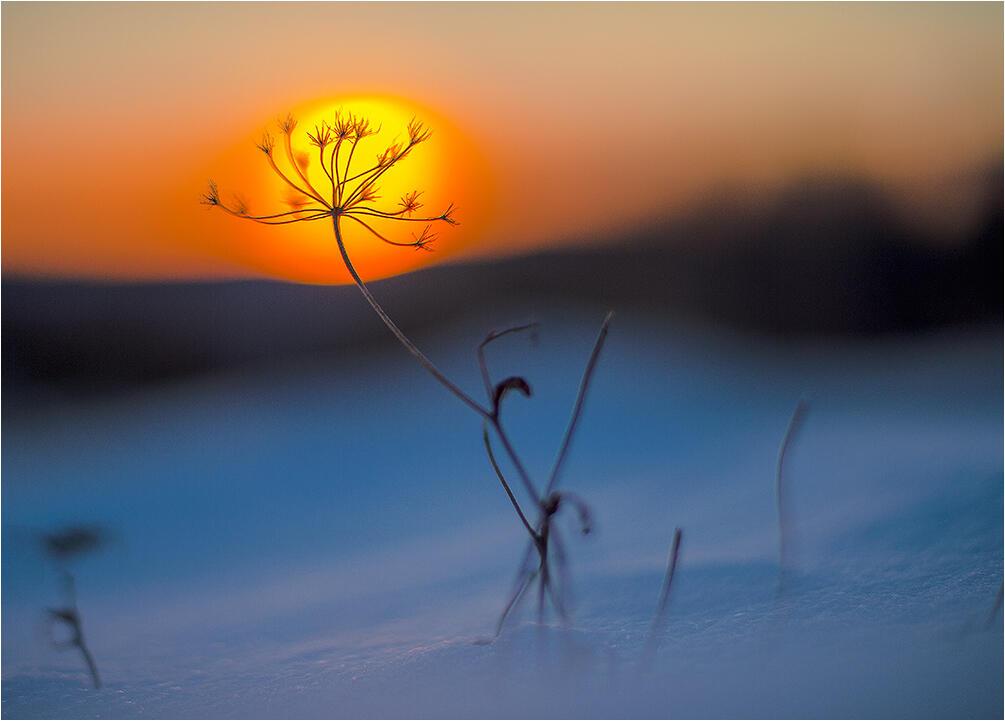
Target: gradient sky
<point>582,119</point>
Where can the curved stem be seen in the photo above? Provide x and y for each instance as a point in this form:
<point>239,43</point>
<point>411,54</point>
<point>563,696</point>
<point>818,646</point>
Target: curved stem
<point>277,171</point>
<point>380,170</point>
<point>348,162</point>
<point>337,183</point>
<point>396,216</point>
<point>413,244</point>
<point>296,167</point>
<point>321,156</point>
<point>505,485</point>
<point>89,660</point>
<point>517,463</point>
<point>402,338</point>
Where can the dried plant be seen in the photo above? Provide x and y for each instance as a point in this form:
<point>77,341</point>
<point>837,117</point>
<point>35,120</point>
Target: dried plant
<point>349,196</point>
<point>63,546</point>
<point>659,616</point>
<point>791,432</point>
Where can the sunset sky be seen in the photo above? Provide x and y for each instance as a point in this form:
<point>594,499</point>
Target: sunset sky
<point>555,123</point>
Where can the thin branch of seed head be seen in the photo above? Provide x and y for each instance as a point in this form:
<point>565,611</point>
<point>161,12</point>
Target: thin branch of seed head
<point>445,217</point>
<point>414,244</point>
<point>409,204</point>
<point>280,215</point>
<point>288,145</point>
<point>393,156</point>
<point>321,159</point>
<point>317,216</point>
<point>360,174</point>
<point>322,139</point>
<point>577,407</point>
<point>336,182</point>
<point>366,210</point>
<point>348,161</point>
<point>385,161</point>
<point>212,198</point>
<point>367,196</point>
<point>267,146</point>
<point>362,130</point>
<point>350,178</point>
<point>367,182</point>
<point>277,171</point>
<point>505,484</point>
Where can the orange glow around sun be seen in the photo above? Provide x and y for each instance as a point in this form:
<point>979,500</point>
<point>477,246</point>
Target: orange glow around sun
<point>446,169</point>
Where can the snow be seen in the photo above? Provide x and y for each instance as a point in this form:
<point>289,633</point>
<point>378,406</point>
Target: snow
<point>327,539</point>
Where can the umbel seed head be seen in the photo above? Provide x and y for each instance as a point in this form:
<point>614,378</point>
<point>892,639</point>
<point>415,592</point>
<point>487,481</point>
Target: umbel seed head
<point>344,193</point>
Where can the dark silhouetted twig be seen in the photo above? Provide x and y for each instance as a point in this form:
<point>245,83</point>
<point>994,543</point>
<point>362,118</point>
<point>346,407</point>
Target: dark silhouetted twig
<point>577,407</point>
<point>795,424</point>
<point>659,616</point>
<point>69,615</point>
<point>62,547</point>
<point>502,480</point>
<point>491,337</point>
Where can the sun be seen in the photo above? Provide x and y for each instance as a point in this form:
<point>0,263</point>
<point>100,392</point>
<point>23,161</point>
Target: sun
<point>444,170</point>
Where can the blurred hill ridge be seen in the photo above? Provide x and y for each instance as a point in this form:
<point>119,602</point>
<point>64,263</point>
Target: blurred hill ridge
<point>825,257</point>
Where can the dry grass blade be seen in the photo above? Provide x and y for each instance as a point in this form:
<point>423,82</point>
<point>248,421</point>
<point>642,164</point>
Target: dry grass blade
<point>796,422</point>
<point>577,408</point>
<point>659,617</point>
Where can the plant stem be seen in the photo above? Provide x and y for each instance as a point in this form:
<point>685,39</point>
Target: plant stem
<point>505,485</point>
<point>517,463</point>
<point>491,417</point>
<point>402,338</point>
<point>89,660</point>
<point>577,408</point>
<point>795,424</point>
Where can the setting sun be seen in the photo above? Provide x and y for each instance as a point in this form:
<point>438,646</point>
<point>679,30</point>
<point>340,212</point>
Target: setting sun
<point>443,173</point>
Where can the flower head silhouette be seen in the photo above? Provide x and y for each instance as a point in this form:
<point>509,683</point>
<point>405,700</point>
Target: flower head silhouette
<point>349,194</point>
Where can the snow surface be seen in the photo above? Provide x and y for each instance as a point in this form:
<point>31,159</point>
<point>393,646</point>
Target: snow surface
<point>327,539</point>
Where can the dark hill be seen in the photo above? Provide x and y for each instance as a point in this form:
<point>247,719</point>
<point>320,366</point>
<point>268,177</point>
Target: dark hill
<point>824,258</point>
